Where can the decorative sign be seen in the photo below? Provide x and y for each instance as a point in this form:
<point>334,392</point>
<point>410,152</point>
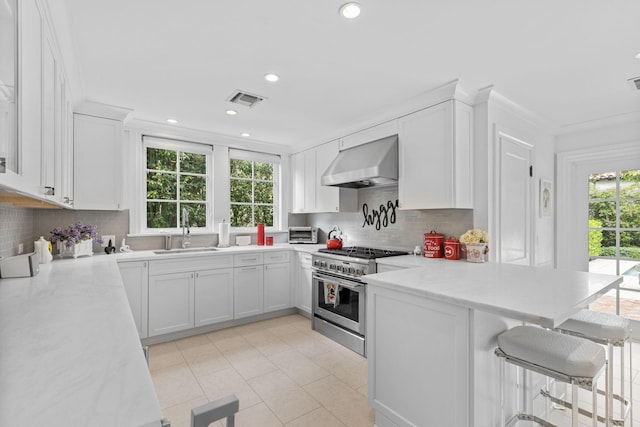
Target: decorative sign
<point>385,215</point>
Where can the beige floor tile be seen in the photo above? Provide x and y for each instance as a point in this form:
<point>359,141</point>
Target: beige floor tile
<point>180,415</point>
<point>175,385</point>
<point>267,343</point>
<point>283,396</point>
<point>164,355</point>
<point>257,415</point>
<point>249,328</point>
<point>250,363</point>
<point>364,390</point>
<point>231,344</point>
<point>317,418</point>
<point>276,321</point>
<point>344,368</point>
<point>221,334</point>
<point>202,363</point>
<point>225,382</point>
<point>328,389</point>
<point>282,330</point>
<point>346,404</point>
<point>298,367</point>
<point>310,344</point>
<point>192,342</point>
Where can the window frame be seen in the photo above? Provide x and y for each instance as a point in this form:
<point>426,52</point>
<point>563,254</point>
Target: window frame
<point>180,146</point>
<point>253,156</point>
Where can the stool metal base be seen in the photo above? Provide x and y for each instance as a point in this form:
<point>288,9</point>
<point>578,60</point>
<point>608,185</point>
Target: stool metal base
<point>614,421</point>
<point>527,417</point>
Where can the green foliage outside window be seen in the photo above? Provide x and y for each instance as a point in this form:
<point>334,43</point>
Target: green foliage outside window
<point>603,221</point>
<point>176,180</point>
<point>251,193</point>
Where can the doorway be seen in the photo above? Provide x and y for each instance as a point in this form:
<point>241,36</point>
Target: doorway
<point>614,238</point>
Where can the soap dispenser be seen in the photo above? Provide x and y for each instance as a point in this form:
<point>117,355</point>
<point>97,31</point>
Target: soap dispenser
<point>41,247</point>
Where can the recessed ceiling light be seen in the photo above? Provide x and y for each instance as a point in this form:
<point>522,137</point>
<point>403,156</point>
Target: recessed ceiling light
<point>350,10</point>
<point>231,112</point>
<point>271,77</point>
<point>245,134</point>
<point>172,121</point>
<point>638,55</point>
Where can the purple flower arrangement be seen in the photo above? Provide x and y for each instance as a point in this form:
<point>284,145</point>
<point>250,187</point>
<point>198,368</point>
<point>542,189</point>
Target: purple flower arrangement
<point>74,234</point>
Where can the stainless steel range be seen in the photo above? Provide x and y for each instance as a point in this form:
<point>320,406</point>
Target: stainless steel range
<point>339,286</point>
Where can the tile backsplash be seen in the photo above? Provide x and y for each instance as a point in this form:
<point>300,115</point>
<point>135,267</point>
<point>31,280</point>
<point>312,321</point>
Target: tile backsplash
<point>404,233</point>
<point>16,226</point>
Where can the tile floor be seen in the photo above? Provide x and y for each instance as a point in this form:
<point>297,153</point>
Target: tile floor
<point>283,373</point>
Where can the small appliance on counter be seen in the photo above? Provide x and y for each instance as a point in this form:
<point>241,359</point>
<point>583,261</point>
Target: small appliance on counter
<point>303,235</point>
<point>26,265</point>
<point>334,238</point>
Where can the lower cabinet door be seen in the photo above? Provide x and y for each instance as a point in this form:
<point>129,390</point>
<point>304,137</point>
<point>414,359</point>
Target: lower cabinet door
<point>171,303</point>
<point>213,296</point>
<point>304,285</point>
<point>277,286</point>
<point>135,276</point>
<point>248,294</point>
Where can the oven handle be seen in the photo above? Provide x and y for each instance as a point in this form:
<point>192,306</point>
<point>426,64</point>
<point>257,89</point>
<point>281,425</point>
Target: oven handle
<point>340,282</point>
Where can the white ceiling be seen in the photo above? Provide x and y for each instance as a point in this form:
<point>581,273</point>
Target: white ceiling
<point>567,60</point>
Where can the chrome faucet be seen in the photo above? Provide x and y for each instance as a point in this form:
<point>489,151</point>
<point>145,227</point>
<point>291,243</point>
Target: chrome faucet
<point>185,227</point>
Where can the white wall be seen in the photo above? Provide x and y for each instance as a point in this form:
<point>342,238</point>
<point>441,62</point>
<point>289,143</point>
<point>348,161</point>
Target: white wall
<point>604,148</point>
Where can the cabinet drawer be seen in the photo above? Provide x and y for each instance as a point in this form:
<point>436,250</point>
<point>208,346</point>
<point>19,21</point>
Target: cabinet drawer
<point>240,260</point>
<point>276,256</point>
<point>176,265</point>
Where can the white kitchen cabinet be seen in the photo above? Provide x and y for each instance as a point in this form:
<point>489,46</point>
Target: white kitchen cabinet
<point>435,157</point>
<point>97,146</point>
<point>304,282</point>
<point>9,95</point>
<point>277,281</point>
<point>135,276</point>
<point>369,135</point>
<point>171,303</point>
<point>213,296</point>
<point>308,194</point>
<point>248,291</point>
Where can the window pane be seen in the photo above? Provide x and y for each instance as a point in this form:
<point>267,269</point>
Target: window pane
<point>194,163</point>
<point>161,186</point>
<point>160,159</point>
<point>263,171</point>
<point>630,244</point>
<point>605,212</point>
<point>264,192</point>
<point>162,215</point>
<point>197,213</point>
<point>264,214</point>
<point>240,168</point>
<point>608,243</point>
<point>193,187</point>
<point>630,214</point>
<point>241,216</point>
<point>595,241</point>
<point>630,190</point>
<point>240,191</point>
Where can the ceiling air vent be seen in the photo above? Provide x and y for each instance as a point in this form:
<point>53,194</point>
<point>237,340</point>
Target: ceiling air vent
<point>635,83</point>
<point>246,99</point>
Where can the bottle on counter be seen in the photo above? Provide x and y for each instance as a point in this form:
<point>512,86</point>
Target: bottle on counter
<point>41,248</point>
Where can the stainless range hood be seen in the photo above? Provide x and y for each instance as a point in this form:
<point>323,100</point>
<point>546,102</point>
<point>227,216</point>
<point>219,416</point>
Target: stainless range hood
<point>367,165</point>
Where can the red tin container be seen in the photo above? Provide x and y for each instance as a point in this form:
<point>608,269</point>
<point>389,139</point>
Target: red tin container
<point>452,248</point>
<point>260,238</point>
<point>433,245</point>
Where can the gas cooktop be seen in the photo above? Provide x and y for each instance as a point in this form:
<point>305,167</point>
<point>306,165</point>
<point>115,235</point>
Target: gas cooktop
<point>362,252</point>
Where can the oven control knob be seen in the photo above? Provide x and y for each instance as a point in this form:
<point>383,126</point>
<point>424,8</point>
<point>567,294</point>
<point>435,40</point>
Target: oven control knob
<point>352,270</point>
<point>359,272</point>
<point>344,268</point>
<point>316,263</point>
<point>323,264</point>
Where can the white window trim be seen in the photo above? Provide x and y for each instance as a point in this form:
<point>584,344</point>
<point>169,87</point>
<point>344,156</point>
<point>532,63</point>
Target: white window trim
<point>178,145</point>
<point>277,172</point>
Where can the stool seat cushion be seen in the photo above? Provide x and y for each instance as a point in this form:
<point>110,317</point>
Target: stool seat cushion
<point>572,356</point>
<point>602,326</point>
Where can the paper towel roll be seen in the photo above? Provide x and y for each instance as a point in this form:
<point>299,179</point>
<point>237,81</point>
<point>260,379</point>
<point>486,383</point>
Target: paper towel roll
<point>223,234</point>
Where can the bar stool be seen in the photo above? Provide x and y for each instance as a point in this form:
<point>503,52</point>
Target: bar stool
<point>566,358</point>
<point>612,331</point>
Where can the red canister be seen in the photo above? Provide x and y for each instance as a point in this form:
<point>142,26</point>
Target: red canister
<point>433,245</point>
<point>260,235</point>
<point>452,248</point>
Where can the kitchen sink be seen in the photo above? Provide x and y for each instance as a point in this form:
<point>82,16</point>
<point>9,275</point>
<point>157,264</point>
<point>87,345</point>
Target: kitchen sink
<point>182,251</point>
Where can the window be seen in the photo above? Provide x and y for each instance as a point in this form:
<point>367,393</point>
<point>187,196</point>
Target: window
<point>176,178</point>
<point>253,188</point>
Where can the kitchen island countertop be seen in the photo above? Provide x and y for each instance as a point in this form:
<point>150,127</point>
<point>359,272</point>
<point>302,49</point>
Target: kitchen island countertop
<point>544,296</point>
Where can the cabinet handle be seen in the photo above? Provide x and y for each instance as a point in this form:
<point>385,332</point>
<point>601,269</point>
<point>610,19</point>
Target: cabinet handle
<point>49,191</point>
<point>192,275</point>
<point>251,259</point>
<point>197,275</point>
<point>250,268</point>
<point>144,265</point>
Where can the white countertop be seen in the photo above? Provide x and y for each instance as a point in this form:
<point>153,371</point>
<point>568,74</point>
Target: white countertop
<point>69,353</point>
<point>542,296</point>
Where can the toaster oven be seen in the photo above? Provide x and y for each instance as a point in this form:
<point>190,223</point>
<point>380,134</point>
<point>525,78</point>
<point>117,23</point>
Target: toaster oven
<point>303,235</point>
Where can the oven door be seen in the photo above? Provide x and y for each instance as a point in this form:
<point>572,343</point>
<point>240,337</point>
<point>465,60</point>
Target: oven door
<point>339,301</point>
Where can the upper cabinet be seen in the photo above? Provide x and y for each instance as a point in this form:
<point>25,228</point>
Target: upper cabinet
<point>308,195</point>
<point>370,134</point>
<point>97,152</point>
<point>435,157</point>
